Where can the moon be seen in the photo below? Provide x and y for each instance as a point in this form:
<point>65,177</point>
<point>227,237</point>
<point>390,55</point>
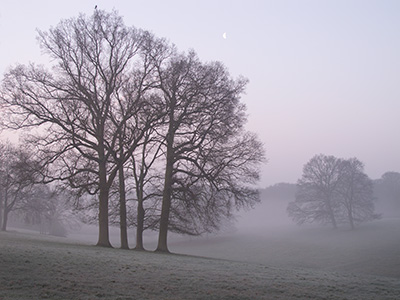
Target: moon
<point>224,36</point>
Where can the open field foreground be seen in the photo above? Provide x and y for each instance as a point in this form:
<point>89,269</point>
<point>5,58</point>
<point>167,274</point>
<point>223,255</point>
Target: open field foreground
<point>43,267</point>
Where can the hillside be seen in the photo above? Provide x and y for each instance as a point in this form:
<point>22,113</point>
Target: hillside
<point>43,267</point>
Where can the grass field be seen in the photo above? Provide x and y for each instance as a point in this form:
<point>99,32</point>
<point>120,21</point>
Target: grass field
<point>371,249</point>
<point>44,267</point>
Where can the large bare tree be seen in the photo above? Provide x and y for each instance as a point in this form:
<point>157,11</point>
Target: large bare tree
<point>101,71</point>
<point>204,113</point>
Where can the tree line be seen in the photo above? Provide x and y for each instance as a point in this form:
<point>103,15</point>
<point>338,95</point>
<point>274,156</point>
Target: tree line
<point>39,206</point>
<point>123,115</point>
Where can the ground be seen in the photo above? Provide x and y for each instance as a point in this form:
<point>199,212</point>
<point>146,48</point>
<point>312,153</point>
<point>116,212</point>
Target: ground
<point>44,267</point>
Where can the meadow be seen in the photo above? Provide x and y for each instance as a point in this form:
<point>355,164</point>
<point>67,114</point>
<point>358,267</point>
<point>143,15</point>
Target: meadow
<point>281,263</point>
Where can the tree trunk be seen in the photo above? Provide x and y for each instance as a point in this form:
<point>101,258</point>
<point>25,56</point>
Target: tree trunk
<point>5,212</point>
<point>333,220</point>
<point>165,210</point>
<point>331,213</point>
<point>122,210</point>
<point>351,221</point>
<point>166,202</point>
<point>350,216</point>
<point>140,224</point>
<point>1,208</point>
<point>140,208</point>
<point>5,219</point>
<point>104,238</point>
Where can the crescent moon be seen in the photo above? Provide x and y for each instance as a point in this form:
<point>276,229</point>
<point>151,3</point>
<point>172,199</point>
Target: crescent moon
<point>224,35</point>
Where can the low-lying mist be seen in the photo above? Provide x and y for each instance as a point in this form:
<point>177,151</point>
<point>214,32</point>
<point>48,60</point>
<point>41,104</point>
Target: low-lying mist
<point>266,235</point>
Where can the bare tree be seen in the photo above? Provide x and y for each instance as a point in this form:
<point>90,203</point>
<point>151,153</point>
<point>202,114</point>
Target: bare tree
<point>316,196</point>
<point>16,179</point>
<point>135,124</point>
<point>333,191</point>
<point>141,188</point>
<point>122,201</point>
<point>147,183</point>
<point>203,108</point>
<point>110,84</point>
<point>356,191</point>
<point>215,181</point>
<point>95,89</point>
<point>48,207</point>
<point>387,191</point>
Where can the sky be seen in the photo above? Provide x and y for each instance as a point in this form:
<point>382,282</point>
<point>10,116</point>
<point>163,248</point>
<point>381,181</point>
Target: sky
<point>324,75</point>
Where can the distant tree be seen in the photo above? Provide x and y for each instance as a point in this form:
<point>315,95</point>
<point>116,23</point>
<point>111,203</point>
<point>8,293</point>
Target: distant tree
<point>387,192</point>
<point>282,192</point>
<point>333,191</point>
<point>16,179</point>
<point>47,207</point>
<point>356,193</point>
<point>317,194</point>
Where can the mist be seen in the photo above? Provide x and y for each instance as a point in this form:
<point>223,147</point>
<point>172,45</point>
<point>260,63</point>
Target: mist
<point>261,255</point>
<point>266,235</point>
